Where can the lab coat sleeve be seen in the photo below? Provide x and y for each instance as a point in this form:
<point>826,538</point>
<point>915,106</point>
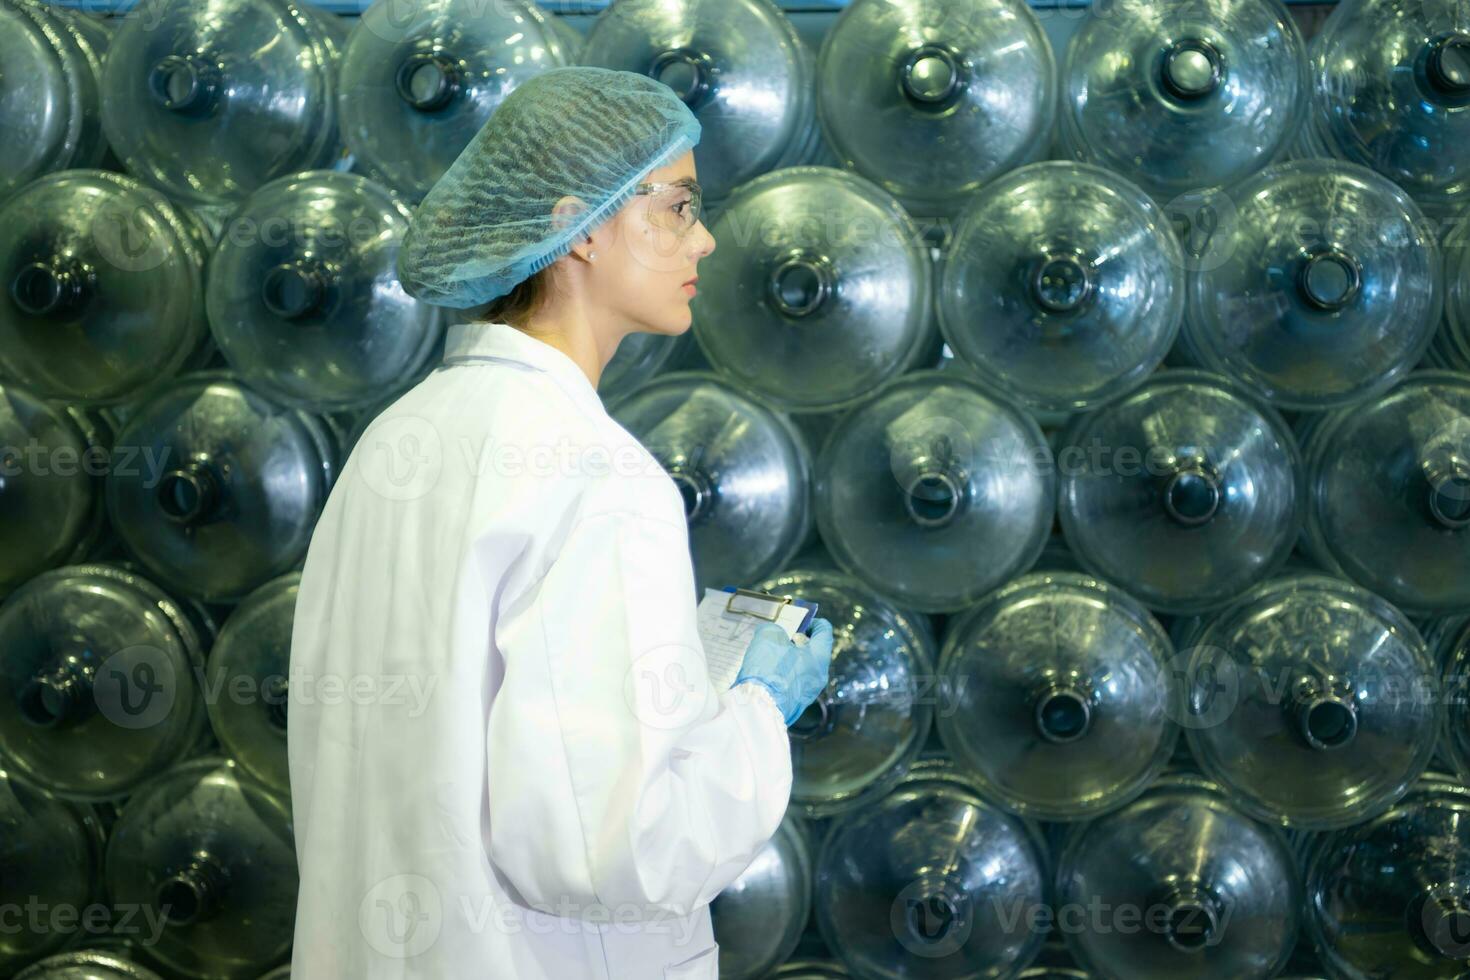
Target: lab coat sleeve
<point>620,780</point>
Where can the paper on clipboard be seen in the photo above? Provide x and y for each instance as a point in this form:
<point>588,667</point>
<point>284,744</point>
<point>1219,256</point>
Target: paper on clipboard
<point>726,634</point>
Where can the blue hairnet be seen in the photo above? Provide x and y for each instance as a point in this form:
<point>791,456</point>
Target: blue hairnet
<point>591,133</point>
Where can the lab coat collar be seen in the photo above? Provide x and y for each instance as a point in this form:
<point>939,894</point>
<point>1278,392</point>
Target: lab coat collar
<point>501,341</point>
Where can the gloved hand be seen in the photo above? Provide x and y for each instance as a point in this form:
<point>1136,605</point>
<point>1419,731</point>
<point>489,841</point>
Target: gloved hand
<point>794,672</point>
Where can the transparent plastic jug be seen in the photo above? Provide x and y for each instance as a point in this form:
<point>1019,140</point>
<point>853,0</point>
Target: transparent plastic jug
<point>229,491</point>
<point>51,851</point>
<point>303,295</point>
<point>934,491</point>
<point>104,671</point>
<point>832,295</point>
<point>51,477</point>
<point>1387,898</point>
<point>106,288</point>
<point>1209,893</point>
<point>1390,89</point>
<point>1180,95</point>
<point>1185,492</point>
<point>743,471</point>
<point>52,113</point>
<point>759,917</point>
<point>418,82</point>
<point>868,725</point>
<point>1063,285</point>
<point>1320,286</point>
<point>250,668</point>
<point>1389,492</point>
<point>210,852</point>
<point>209,102</point>
<point>739,65</point>
<point>933,100</point>
<point>1058,696</point>
<point>932,882</point>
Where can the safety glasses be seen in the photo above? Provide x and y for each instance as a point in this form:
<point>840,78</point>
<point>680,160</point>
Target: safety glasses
<point>674,205</point>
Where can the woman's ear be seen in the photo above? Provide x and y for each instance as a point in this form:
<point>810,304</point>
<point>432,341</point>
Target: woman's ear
<point>565,213</point>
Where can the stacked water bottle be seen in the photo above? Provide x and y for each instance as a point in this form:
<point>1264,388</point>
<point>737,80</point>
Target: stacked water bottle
<point>1114,407</point>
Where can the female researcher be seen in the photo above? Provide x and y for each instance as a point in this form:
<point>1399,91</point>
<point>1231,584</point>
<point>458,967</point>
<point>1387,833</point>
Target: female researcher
<point>507,761</point>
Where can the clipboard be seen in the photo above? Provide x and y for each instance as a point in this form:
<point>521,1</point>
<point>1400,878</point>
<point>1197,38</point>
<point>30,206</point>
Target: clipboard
<point>728,618</point>
<point>767,606</point>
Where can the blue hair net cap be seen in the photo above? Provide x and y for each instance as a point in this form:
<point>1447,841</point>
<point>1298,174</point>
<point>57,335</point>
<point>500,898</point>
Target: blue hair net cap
<point>487,225</point>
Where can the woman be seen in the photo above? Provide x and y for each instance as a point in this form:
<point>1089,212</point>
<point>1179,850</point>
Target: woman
<point>506,758</point>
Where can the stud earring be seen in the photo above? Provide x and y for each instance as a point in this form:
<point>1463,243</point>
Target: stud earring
<point>591,255</point>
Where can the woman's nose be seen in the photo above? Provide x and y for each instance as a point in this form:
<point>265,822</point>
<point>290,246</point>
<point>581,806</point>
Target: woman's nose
<point>708,241</point>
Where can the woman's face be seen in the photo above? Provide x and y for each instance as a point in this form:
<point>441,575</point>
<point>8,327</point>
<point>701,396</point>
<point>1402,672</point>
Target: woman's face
<point>647,254</point>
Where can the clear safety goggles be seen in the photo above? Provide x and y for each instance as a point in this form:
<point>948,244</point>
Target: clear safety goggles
<point>674,206</point>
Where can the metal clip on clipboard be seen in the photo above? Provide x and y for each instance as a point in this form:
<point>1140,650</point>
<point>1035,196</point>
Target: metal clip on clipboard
<point>761,605</point>
<point>768,607</point>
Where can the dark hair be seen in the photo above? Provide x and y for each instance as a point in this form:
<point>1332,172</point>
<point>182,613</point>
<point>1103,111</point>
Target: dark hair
<point>517,306</point>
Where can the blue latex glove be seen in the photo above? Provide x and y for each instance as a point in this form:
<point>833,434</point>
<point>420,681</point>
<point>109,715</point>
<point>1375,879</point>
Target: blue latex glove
<point>795,673</point>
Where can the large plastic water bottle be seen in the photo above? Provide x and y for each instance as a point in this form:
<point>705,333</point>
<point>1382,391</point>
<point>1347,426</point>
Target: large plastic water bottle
<point>303,297</point>
<point>1314,701</point>
<point>1389,494</point>
<point>106,287</point>
<point>1179,883</point>
<point>1391,85</point>
<point>1058,694</point>
<point>103,669</point>
<point>1186,492</point>
<point>829,283</point>
<point>51,851</point>
<point>1390,898</point>
<point>740,67</point>
<point>759,917</point>
<point>209,853</point>
<point>1451,346</point>
<point>209,102</point>
<point>1320,286</point>
<point>1448,639</point>
<point>1181,96</point>
<point>418,82</point>
<point>810,970</point>
<point>51,468</point>
<point>51,116</point>
<point>1040,294</point>
<point>870,722</point>
<point>931,101</point>
<point>249,666</point>
<point>932,882</point>
<point>229,491</point>
<point>86,965</point>
<point>935,491</point>
<point>743,471</point>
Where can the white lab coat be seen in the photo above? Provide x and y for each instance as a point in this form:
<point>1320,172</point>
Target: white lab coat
<point>506,762</point>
